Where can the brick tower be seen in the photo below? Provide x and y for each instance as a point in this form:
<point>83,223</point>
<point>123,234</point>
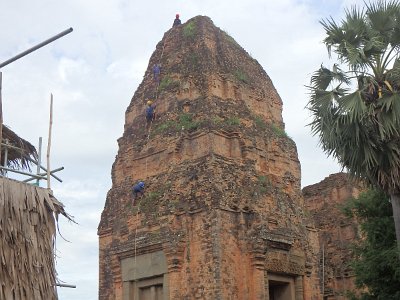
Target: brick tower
<point>222,215</point>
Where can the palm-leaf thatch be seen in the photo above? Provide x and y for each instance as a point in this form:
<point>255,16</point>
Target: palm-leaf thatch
<point>28,217</point>
<point>19,155</point>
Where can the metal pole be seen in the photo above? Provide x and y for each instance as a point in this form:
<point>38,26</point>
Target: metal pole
<point>22,54</point>
<point>39,159</point>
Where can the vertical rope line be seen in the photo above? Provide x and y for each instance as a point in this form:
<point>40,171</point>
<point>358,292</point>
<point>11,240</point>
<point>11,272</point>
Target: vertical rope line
<point>137,221</point>
<point>157,88</point>
<point>147,140</point>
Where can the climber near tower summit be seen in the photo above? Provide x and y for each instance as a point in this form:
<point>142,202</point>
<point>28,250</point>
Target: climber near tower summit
<point>177,21</point>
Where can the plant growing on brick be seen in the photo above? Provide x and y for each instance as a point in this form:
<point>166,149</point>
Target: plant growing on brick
<point>279,132</point>
<point>260,123</point>
<point>241,76</point>
<point>232,121</point>
<point>167,83</point>
<point>189,31</point>
<point>186,121</point>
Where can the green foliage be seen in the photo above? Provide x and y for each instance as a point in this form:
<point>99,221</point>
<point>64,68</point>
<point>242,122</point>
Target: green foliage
<point>217,120</point>
<point>260,123</point>
<point>167,83</point>
<point>189,31</point>
<point>150,202</point>
<point>186,121</point>
<point>193,59</point>
<point>232,121</point>
<point>230,38</point>
<point>166,126</point>
<point>279,132</point>
<point>263,185</point>
<point>242,76</point>
<point>376,264</point>
<point>356,113</point>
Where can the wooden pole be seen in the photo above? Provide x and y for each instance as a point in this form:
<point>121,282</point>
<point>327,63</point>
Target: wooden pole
<point>39,160</point>
<point>1,113</point>
<point>49,141</point>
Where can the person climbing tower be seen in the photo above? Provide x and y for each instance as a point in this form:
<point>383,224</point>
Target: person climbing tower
<point>156,72</point>
<point>150,112</point>
<point>137,189</point>
<point>177,21</point>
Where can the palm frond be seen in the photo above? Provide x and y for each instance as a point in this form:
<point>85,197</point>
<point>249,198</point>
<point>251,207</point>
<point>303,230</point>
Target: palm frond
<point>353,106</point>
<point>323,77</point>
<point>334,32</point>
<point>359,124</point>
<point>393,75</point>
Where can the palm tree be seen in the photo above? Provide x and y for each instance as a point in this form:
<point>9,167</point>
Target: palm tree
<point>356,112</point>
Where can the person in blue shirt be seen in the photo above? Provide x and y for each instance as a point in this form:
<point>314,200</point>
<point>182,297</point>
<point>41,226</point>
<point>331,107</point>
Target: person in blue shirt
<point>137,189</point>
<point>150,112</point>
<point>177,21</point>
<point>156,73</point>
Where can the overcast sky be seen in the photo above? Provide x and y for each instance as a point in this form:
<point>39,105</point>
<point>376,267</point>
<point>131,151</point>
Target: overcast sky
<point>94,71</point>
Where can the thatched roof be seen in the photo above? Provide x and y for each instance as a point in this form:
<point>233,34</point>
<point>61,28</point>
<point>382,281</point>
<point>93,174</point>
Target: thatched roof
<point>28,217</point>
<point>17,158</point>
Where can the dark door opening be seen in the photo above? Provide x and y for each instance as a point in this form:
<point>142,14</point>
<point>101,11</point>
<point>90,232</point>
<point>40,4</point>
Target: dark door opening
<point>279,290</point>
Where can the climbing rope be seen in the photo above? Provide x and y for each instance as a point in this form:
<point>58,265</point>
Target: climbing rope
<point>156,96</point>
<point>137,221</point>
<point>147,140</point>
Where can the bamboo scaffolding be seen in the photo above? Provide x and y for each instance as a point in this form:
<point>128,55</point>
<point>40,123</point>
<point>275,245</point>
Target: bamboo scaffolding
<point>49,141</point>
<point>39,159</point>
<point>45,173</point>
<point>22,172</point>
<point>6,145</point>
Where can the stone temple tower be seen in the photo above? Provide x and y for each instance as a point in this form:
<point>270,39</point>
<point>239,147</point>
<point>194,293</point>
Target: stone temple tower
<point>222,215</point>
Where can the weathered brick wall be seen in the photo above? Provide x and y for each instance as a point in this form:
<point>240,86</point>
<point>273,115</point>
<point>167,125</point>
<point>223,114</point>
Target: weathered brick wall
<point>336,232</point>
<point>223,198</point>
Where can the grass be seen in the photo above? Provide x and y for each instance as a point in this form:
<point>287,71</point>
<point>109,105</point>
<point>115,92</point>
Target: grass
<point>263,185</point>
<point>167,83</point>
<point>193,59</point>
<point>279,132</point>
<point>232,121</point>
<point>166,126</point>
<point>260,123</point>
<point>186,121</point>
<point>189,31</point>
<point>149,202</point>
<point>241,76</point>
<point>230,38</point>
<point>217,120</point>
